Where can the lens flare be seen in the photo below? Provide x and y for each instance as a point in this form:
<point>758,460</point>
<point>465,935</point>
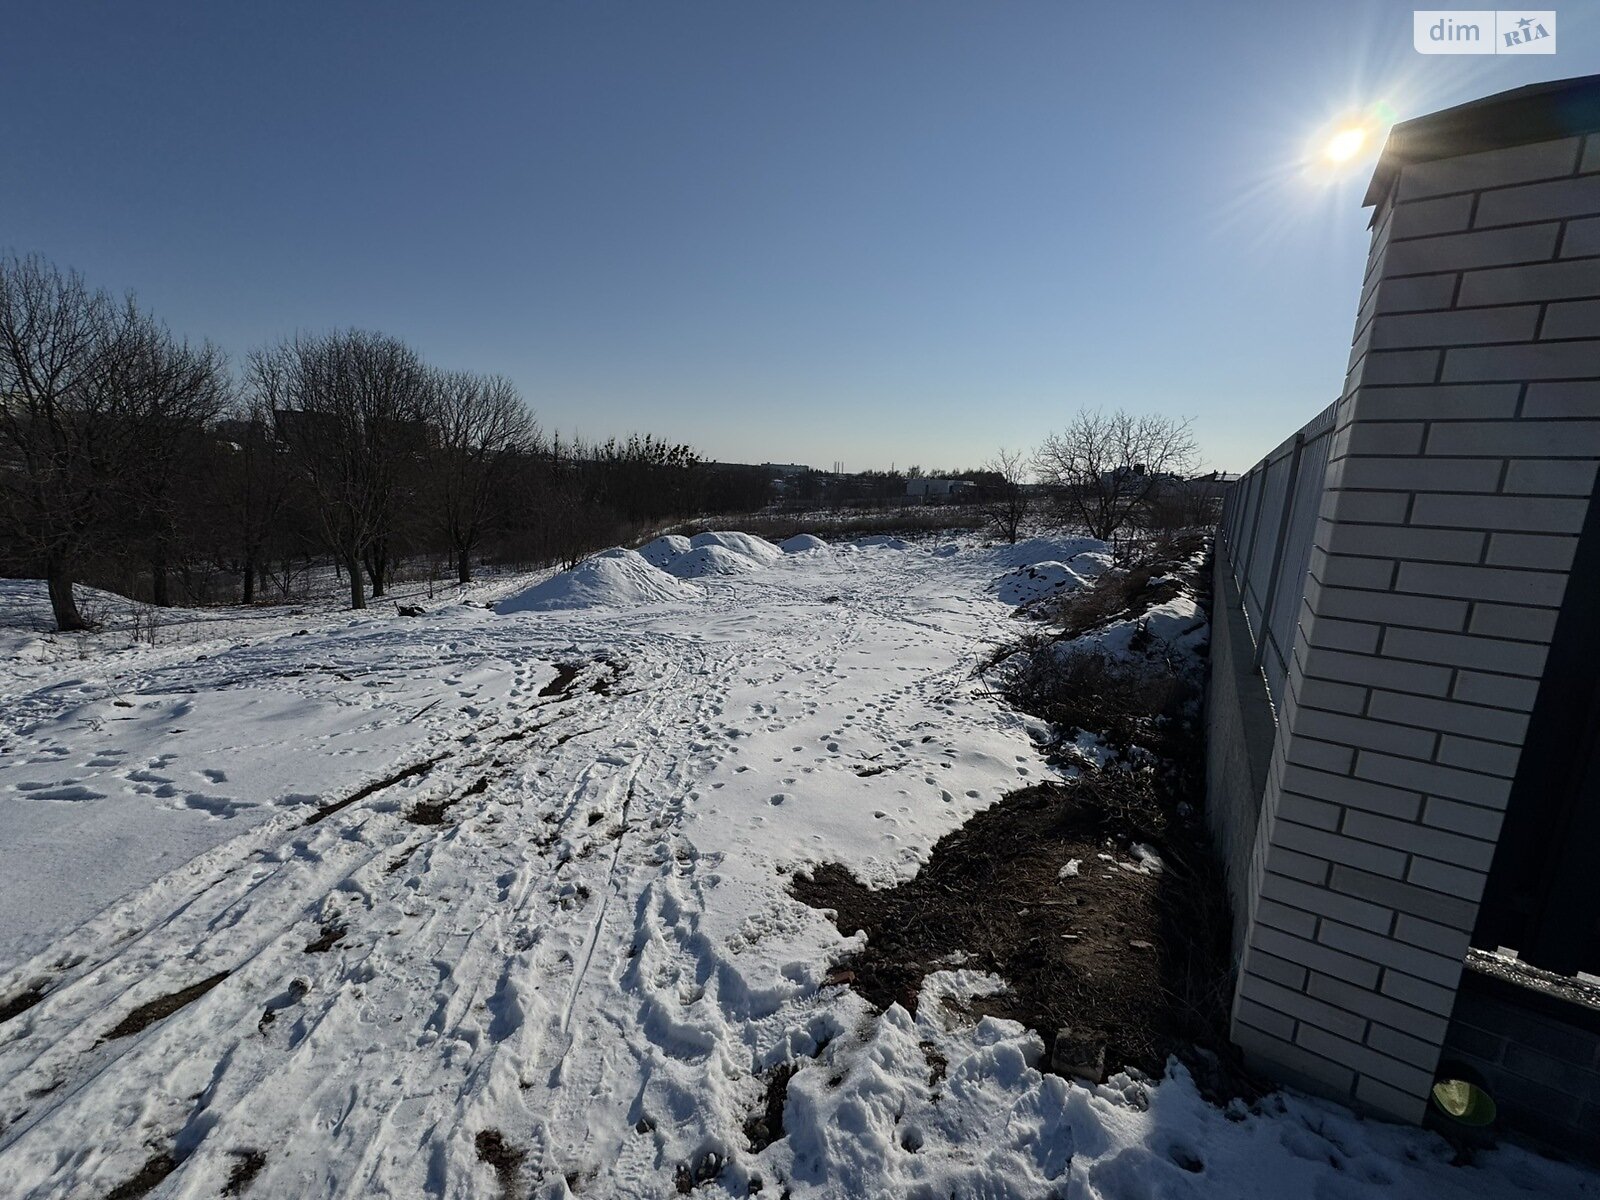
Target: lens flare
<point>1346,144</point>
<point>1344,148</point>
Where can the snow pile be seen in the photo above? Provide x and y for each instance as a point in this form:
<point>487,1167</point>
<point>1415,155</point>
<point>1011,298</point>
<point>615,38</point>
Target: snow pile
<point>882,541</point>
<point>1174,629</point>
<point>1145,860</point>
<point>1055,549</point>
<point>711,560</point>
<point>879,1119</point>
<point>1027,585</point>
<point>803,543</point>
<point>613,578</point>
<point>748,544</point>
<point>1045,567</point>
<point>664,549</point>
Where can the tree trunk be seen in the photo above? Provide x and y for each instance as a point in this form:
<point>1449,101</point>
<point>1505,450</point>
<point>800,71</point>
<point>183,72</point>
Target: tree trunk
<point>464,566</point>
<point>159,593</point>
<point>62,603</point>
<point>248,584</point>
<point>377,564</point>
<point>358,597</point>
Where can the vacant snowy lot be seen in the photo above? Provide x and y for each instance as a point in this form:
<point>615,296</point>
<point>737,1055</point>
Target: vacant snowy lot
<point>494,903</point>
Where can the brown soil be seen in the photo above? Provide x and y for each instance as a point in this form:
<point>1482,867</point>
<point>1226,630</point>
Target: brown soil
<point>1134,962</point>
<point>328,938</point>
<point>505,1158</point>
<point>156,1168</point>
<point>421,768</point>
<point>766,1126</point>
<point>162,1007</point>
<point>431,812</point>
<point>16,1005</point>
<point>244,1171</point>
<point>562,683</point>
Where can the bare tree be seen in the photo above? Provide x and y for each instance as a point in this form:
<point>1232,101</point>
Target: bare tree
<point>351,406</point>
<point>59,440</point>
<point>253,486</point>
<point>1183,504</point>
<point>483,429</point>
<point>1103,466</point>
<point>1006,501</point>
<point>168,393</point>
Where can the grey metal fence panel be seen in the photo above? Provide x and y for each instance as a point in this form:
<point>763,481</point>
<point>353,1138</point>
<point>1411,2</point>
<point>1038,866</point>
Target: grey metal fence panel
<point>1269,519</point>
<point>1294,551</point>
<point>1249,497</point>
<point>1264,540</point>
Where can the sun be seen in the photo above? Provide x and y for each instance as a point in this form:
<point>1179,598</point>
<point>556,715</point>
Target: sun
<point>1343,146</point>
<point>1346,144</point>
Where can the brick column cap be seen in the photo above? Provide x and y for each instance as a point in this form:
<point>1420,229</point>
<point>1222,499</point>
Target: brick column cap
<point>1539,112</point>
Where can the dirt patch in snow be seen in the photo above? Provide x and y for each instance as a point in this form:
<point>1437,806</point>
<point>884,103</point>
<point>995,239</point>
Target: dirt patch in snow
<point>20,1003</point>
<point>566,672</point>
<point>411,772</point>
<point>1097,901</point>
<point>1106,952</point>
<point>431,812</point>
<point>505,1159</point>
<point>156,1168</point>
<point>330,936</point>
<point>244,1171</point>
<point>766,1126</point>
<point>162,1007</point>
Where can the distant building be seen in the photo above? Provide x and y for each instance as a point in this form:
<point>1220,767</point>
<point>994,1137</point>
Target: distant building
<point>928,489</point>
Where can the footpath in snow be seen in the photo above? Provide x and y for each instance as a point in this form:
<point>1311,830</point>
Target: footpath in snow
<point>494,902</point>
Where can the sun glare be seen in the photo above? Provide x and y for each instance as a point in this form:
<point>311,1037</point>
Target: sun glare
<point>1346,144</point>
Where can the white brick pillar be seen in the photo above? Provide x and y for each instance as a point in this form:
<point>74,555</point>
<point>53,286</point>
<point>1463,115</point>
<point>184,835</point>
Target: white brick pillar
<point>1464,455</point>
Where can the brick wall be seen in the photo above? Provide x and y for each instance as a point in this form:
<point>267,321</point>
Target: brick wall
<point>1539,1060</point>
<point>1463,455</point>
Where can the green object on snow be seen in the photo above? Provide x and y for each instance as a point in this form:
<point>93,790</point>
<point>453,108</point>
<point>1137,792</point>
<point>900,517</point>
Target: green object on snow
<point>1464,1102</point>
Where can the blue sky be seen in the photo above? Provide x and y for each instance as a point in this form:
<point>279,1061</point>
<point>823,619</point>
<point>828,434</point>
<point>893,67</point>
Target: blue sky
<point>874,232</point>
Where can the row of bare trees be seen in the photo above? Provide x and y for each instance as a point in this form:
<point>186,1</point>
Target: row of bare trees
<point>133,458</point>
<point>101,409</point>
<point>1106,473</point>
<point>375,438</point>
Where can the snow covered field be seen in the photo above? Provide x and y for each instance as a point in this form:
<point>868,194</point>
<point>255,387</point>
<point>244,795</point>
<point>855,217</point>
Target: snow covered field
<point>556,954</point>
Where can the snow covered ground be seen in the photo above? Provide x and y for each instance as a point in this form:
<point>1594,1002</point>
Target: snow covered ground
<point>556,955</point>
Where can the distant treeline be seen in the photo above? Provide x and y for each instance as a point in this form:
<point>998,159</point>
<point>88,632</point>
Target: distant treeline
<point>135,460</point>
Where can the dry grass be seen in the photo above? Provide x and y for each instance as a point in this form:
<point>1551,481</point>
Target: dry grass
<point>1127,590</point>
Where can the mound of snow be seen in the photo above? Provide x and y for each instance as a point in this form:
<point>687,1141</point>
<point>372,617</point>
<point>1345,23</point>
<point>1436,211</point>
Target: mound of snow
<point>1089,563</point>
<point>1052,549</point>
<point>1026,585</point>
<point>664,549</point>
<point>802,543</point>
<point>747,544</point>
<point>613,578</point>
<point>883,540</point>
<point>1175,630</point>
<point>947,551</point>
<point>710,560</point>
